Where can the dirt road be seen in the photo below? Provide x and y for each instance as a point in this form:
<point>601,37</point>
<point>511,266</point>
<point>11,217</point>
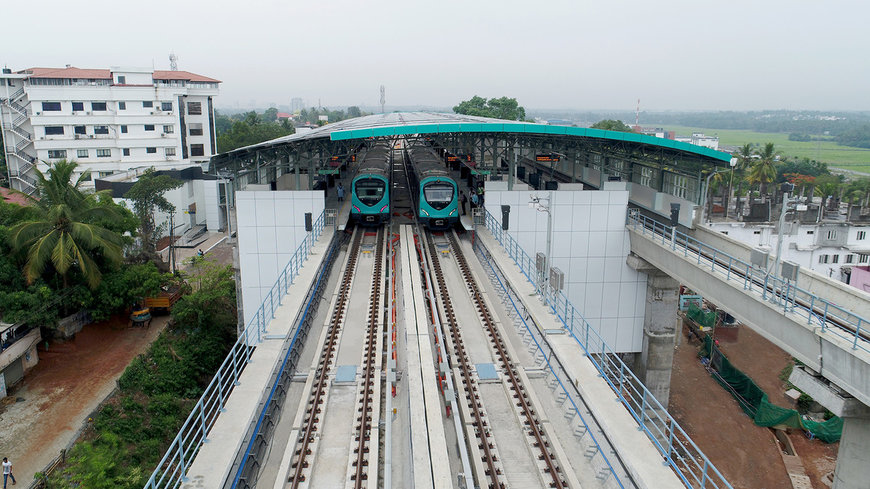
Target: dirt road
<point>67,384</point>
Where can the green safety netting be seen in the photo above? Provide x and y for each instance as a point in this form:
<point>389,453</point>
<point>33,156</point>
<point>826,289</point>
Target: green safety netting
<point>706,319</point>
<point>754,401</point>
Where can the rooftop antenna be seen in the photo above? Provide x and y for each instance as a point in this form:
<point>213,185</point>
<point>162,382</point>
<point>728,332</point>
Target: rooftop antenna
<point>637,116</point>
<point>173,62</point>
<point>383,98</point>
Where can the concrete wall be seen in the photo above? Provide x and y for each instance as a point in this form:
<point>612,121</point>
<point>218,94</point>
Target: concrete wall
<point>590,244</point>
<point>271,227</point>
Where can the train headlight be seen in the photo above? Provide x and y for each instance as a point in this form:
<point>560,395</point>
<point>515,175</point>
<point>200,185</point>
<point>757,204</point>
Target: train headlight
<point>452,212</point>
<point>356,208</point>
<point>424,212</point>
<point>384,207</point>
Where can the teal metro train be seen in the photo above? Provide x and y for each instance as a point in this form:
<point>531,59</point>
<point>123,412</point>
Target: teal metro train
<point>370,189</point>
<point>436,193</point>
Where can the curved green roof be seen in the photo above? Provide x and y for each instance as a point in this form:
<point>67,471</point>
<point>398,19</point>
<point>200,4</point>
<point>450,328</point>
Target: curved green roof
<point>400,129</point>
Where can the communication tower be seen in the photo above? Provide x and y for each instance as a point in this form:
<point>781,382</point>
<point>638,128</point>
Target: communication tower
<point>173,62</point>
<point>383,98</point>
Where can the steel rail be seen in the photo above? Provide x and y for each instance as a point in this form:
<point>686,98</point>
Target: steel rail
<point>516,384</point>
<point>472,396</point>
<point>326,356</point>
<point>363,427</point>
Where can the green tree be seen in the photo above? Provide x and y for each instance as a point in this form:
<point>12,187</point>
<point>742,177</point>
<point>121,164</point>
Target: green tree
<point>611,125</point>
<point>353,111</point>
<point>147,195</point>
<point>829,186</point>
<point>65,235</point>
<point>497,108</point>
<point>270,115</point>
<point>763,170</point>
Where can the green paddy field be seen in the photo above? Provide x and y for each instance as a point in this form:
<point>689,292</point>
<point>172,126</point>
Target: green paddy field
<point>836,156</point>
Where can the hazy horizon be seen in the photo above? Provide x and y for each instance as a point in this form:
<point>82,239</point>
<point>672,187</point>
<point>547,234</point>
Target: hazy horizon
<point>557,55</point>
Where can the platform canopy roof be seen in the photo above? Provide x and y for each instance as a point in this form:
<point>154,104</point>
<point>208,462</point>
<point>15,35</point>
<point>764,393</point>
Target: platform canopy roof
<point>406,123</point>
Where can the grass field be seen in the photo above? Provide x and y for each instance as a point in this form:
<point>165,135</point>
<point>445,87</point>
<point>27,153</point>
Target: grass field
<point>836,156</point>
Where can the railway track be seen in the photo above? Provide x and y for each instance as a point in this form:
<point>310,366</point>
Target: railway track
<point>532,427</point>
<point>368,396</point>
<point>371,354</point>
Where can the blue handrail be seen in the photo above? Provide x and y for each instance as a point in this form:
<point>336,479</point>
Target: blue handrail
<point>783,293</point>
<point>673,443</point>
<point>171,471</point>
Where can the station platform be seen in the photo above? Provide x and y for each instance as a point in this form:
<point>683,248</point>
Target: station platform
<point>214,460</point>
<point>638,453</point>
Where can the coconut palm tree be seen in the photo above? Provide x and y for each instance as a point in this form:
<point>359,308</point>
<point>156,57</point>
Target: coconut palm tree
<point>763,170</point>
<point>65,235</point>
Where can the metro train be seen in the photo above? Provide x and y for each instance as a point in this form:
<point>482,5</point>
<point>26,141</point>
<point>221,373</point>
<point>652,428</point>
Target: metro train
<point>370,188</point>
<point>436,192</point>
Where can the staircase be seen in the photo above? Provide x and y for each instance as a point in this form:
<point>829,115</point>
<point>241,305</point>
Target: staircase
<point>21,167</point>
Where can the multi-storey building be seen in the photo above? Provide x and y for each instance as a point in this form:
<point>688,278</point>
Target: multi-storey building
<point>107,120</point>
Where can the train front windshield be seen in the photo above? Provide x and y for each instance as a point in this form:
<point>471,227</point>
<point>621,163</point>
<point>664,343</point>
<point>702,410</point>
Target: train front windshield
<point>438,195</point>
<point>370,191</point>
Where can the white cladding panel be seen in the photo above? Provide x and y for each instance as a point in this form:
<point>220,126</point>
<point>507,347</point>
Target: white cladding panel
<point>590,244</point>
<point>271,228</point>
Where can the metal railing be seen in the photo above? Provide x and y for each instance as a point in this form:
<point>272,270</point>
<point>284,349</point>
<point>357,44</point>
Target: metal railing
<point>171,470</point>
<point>672,442</point>
<point>767,287</point>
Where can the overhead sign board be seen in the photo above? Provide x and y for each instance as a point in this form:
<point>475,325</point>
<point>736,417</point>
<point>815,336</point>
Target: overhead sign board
<point>547,158</point>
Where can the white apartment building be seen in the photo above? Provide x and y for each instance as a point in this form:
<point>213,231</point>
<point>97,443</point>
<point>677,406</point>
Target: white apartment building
<point>107,120</point>
<point>830,248</point>
<point>699,139</point>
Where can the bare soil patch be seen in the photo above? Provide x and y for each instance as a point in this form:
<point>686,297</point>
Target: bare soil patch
<point>66,386</point>
<point>745,453</point>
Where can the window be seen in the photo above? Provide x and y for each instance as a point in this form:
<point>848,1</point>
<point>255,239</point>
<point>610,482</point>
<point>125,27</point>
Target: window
<point>724,232</point>
<point>147,104</point>
<point>835,258</point>
<point>104,153</point>
<point>169,129</point>
<point>170,151</point>
<point>53,130</point>
<point>122,105</point>
<point>51,106</point>
<point>676,185</point>
<point>862,258</point>
<point>101,129</point>
<point>850,258</point>
<point>862,235</point>
<point>756,232</point>
<point>823,258</point>
<point>122,80</point>
<point>167,106</point>
<point>57,153</point>
<point>832,234</point>
<point>196,150</point>
<point>150,151</point>
<point>98,106</point>
<point>646,176</point>
<point>104,174</point>
<point>123,129</point>
<point>811,232</point>
<point>149,127</point>
<point>194,108</point>
<point>196,129</point>
<point>80,130</point>
<point>126,151</point>
<point>82,153</point>
<point>78,106</point>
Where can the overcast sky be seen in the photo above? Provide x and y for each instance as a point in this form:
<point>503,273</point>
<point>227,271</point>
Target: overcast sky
<point>580,54</point>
